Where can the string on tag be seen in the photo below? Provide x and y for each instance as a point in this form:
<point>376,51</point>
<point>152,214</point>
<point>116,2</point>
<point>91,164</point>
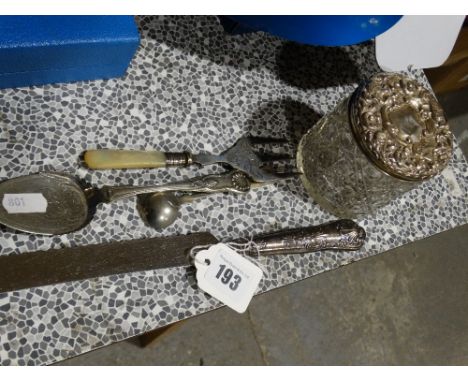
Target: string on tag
<point>193,252</point>
<point>248,249</point>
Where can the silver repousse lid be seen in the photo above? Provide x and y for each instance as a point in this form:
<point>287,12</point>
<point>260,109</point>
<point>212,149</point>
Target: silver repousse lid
<point>401,127</point>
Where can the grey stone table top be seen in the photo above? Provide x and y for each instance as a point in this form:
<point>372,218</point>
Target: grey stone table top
<point>190,87</point>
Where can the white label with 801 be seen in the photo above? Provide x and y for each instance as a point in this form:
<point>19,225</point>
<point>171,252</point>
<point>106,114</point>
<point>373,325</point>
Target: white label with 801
<point>24,203</point>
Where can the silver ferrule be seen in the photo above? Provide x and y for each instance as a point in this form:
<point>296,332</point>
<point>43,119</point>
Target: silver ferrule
<point>178,159</point>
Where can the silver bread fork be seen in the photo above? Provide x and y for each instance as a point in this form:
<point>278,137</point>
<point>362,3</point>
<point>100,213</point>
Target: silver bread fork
<point>240,156</point>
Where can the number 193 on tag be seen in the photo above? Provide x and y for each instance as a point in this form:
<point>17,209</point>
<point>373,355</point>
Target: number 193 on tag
<point>227,276</point>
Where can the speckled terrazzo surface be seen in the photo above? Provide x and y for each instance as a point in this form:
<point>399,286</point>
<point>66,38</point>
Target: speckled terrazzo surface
<point>190,87</point>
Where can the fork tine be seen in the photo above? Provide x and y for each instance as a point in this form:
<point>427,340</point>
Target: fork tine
<point>264,176</point>
<point>266,140</point>
<point>272,157</point>
<point>290,174</point>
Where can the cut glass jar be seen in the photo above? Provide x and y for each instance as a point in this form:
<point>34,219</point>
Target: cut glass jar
<point>382,141</point>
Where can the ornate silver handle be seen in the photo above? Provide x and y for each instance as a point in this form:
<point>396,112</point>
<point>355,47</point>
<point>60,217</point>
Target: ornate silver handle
<point>340,234</point>
<point>233,181</point>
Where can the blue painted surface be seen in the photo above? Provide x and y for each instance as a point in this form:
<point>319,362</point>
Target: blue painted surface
<point>314,30</point>
<point>36,50</point>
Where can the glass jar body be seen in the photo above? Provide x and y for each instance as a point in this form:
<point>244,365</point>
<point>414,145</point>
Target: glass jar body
<point>337,173</point>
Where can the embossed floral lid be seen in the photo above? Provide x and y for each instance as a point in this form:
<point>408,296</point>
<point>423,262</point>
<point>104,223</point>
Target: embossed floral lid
<point>401,127</point>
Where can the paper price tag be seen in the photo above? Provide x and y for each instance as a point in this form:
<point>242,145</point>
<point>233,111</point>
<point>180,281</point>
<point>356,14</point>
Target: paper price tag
<point>24,203</point>
<point>227,276</point>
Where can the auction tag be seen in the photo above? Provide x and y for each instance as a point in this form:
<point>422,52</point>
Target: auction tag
<point>227,276</point>
<point>24,203</point>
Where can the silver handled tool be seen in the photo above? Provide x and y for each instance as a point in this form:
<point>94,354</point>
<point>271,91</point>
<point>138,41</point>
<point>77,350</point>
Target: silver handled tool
<point>69,264</point>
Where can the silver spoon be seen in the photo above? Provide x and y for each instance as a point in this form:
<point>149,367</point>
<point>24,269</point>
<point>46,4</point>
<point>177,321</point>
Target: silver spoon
<point>161,209</point>
<point>69,205</point>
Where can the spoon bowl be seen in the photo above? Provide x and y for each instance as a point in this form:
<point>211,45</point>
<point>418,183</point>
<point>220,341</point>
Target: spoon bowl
<point>67,207</point>
<point>158,210</point>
